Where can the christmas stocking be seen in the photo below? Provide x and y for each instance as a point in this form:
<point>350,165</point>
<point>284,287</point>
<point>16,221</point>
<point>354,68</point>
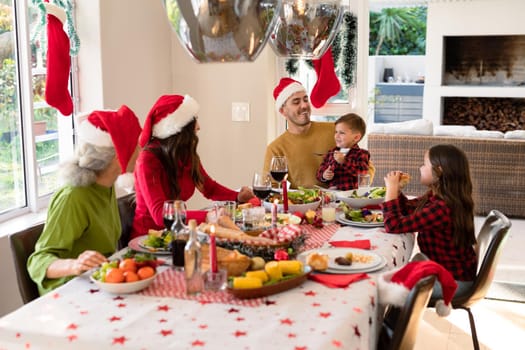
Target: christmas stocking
<point>327,84</point>
<point>58,61</point>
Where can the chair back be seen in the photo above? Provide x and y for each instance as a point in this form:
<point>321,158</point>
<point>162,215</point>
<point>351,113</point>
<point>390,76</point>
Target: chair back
<point>126,208</point>
<point>492,235</point>
<point>22,246</point>
<point>400,330</point>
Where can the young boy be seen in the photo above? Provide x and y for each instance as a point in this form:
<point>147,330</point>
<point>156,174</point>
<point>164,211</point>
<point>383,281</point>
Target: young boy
<point>343,163</point>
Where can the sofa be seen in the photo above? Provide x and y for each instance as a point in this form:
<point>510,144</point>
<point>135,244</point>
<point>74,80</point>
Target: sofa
<point>497,167</point>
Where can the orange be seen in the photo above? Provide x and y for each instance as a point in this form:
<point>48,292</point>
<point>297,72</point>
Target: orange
<point>115,275</point>
<point>131,276</point>
<point>145,272</point>
<point>128,265</point>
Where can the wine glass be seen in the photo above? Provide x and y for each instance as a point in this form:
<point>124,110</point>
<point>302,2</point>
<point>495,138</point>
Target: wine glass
<point>262,185</point>
<point>168,214</point>
<point>279,168</point>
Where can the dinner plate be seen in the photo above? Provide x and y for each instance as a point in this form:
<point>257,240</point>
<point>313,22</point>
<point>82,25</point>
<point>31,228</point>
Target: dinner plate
<point>341,218</point>
<point>376,262</point>
<point>272,288</point>
<point>137,244</point>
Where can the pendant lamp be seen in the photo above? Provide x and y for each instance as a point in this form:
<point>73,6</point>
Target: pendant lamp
<point>306,28</point>
<point>223,30</point>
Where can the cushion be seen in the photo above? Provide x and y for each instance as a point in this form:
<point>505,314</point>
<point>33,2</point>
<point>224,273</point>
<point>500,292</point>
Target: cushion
<point>453,130</point>
<point>411,127</point>
<point>515,134</point>
<point>486,134</point>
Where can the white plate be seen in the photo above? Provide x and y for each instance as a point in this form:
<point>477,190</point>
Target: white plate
<point>377,262</point>
<point>341,218</point>
<point>124,287</point>
<point>138,245</point>
<point>356,203</point>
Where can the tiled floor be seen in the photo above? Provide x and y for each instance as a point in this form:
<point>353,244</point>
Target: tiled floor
<point>500,324</point>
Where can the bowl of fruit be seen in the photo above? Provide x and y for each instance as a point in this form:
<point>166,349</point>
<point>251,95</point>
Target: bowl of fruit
<point>126,275</point>
<point>300,201</point>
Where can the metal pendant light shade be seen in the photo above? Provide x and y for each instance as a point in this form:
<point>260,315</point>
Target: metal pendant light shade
<point>306,28</point>
<point>223,30</point>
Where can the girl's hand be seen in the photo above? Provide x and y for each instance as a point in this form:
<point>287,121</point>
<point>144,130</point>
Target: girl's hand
<point>86,261</point>
<point>328,174</point>
<point>245,194</point>
<point>392,185</point>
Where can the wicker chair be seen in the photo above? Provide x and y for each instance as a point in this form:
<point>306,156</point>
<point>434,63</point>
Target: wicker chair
<point>22,246</point>
<point>400,326</point>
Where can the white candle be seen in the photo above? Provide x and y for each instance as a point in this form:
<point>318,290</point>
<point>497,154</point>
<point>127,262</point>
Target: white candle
<point>274,212</point>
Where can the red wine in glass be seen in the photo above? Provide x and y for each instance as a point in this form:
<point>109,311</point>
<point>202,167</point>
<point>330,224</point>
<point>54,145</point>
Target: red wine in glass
<point>262,192</point>
<point>168,221</point>
<point>278,175</point>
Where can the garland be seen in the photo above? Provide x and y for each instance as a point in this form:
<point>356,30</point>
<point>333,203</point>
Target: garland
<point>344,52</point>
<point>39,30</point>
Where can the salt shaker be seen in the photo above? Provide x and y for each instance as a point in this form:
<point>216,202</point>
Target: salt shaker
<point>192,261</point>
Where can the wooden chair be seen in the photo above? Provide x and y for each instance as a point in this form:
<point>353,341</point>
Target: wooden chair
<point>491,238</point>
<point>400,326</point>
<point>126,208</point>
<point>22,246</point>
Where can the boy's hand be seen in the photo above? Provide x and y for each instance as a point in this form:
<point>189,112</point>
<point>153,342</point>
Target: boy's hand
<point>339,157</point>
<point>328,174</point>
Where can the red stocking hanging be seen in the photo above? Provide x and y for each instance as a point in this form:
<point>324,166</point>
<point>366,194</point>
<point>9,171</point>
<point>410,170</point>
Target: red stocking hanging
<point>327,84</point>
<point>58,61</point>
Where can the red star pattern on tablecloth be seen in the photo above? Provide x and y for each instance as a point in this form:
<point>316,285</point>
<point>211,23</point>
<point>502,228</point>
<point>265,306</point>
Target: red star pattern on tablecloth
<point>239,319</point>
<point>72,326</point>
<point>114,318</point>
<point>163,308</point>
<point>119,340</point>
<point>56,295</point>
<point>72,337</point>
<point>163,320</point>
<point>166,332</point>
<point>337,343</point>
<point>287,321</point>
<point>121,305</point>
<point>197,343</point>
<point>300,348</point>
<point>93,291</point>
<point>356,331</point>
<point>325,314</point>
<point>269,302</point>
<point>238,334</point>
<point>203,326</point>
<point>232,310</point>
<point>316,304</point>
<point>310,293</point>
<point>292,335</point>
<point>118,297</point>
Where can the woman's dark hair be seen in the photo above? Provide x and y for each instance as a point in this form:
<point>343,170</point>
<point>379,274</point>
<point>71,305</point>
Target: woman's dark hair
<point>450,166</point>
<point>176,151</point>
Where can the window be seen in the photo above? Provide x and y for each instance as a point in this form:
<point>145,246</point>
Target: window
<point>34,137</point>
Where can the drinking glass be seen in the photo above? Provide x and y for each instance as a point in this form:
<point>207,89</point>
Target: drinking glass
<point>363,183</point>
<point>168,214</point>
<point>279,168</point>
<point>262,185</point>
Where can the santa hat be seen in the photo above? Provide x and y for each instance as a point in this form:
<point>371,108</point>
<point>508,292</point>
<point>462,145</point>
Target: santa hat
<point>395,285</point>
<point>168,116</point>
<point>286,88</point>
<point>119,129</point>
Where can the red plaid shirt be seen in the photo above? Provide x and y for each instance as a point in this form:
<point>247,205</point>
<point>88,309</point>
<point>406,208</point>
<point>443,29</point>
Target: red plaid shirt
<point>345,175</point>
<point>434,227</point>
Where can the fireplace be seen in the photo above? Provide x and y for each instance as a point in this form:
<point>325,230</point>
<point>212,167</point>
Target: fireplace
<point>491,60</point>
<point>501,114</point>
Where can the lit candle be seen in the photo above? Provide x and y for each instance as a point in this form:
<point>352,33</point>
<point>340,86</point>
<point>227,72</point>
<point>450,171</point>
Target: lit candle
<point>213,250</point>
<point>285,196</point>
<point>274,213</point>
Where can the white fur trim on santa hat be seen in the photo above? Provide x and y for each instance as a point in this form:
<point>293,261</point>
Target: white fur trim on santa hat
<point>391,293</point>
<point>56,11</point>
<point>286,93</point>
<point>88,133</point>
<point>173,123</point>
<point>126,182</point>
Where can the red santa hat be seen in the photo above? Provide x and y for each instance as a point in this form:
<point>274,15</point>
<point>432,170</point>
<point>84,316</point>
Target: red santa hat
<point>395,285</point>
<point>286,88</point>
<point>119,129</point>
<point>168,116</point>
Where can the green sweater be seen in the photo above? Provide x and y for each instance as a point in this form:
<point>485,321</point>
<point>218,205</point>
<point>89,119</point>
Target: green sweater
<point>78,219</point>
<point>299,149</point>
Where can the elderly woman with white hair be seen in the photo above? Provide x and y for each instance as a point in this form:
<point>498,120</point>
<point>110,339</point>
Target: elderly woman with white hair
<point>83,225</point>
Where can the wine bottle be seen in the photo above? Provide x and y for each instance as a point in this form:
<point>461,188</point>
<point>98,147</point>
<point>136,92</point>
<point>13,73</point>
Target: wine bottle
<point>180,234</point>
<point>192,261</point>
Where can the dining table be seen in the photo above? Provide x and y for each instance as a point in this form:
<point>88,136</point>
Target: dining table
<point>79,315</point>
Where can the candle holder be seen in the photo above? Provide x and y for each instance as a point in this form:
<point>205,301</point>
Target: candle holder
<point>215,281</point>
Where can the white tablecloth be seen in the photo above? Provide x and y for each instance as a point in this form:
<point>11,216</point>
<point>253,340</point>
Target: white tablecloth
<point>311,316</point>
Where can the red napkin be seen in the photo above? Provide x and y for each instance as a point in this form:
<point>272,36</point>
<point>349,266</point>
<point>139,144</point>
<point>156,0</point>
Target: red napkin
<point>337,281</point>
<point>358,243</point>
